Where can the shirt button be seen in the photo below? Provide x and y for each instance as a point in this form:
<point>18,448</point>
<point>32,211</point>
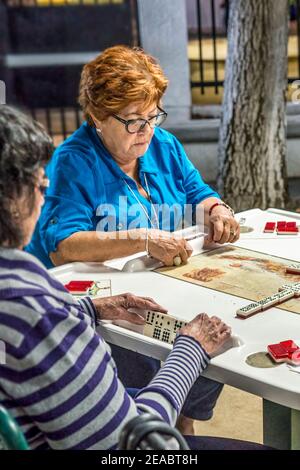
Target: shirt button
<point>53,221</point>
<point>119,226</point>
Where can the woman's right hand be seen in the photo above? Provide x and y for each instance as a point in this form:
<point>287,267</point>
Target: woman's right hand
<point>164,246</point>
<point>211,333</point>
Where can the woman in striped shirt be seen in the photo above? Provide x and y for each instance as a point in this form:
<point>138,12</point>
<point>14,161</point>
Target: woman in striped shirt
<point>59,380</point>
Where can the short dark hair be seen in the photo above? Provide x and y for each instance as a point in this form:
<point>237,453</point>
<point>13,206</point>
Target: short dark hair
<point>24,148</point>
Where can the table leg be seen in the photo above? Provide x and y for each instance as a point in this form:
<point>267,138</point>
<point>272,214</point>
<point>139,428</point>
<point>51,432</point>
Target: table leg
<point>281,426</point>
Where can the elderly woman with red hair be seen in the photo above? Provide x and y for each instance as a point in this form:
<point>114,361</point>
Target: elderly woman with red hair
<point>121,185</point>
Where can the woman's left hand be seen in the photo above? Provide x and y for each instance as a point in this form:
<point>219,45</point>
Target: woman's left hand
<point>223,228</point>
<point>116,307</point>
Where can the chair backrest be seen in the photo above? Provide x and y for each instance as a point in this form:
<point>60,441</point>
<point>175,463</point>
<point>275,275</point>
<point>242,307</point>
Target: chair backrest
<point>150,432</point>
<point>11,436</point>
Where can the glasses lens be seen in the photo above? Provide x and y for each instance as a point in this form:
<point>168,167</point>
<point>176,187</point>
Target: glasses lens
<point>158,120</point>
<point>135,125</point>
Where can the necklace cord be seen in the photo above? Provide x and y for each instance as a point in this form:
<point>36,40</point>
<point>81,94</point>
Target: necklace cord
<point>145,211</point>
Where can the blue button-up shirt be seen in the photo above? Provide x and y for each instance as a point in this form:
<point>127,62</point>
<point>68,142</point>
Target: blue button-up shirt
<point>89,191</point>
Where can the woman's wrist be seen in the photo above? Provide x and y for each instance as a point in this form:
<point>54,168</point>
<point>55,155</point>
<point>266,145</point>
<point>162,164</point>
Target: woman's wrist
<point>223,205</point>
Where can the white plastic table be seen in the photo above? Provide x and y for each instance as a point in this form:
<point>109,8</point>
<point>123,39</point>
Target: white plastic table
<point>279,387</point>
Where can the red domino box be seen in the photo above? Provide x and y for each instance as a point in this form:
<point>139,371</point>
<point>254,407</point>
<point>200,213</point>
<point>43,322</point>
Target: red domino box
<point>289,345</point>
<point>78,287</point>
<point>287,230</point>
<point>291,224</point>
<point>269,227</point>
<point>285,351</point>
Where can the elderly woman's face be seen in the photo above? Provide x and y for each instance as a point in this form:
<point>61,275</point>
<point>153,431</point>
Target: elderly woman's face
<point>126,147</point>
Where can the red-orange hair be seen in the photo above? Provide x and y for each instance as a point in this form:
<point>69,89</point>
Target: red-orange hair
<point>118,77</point>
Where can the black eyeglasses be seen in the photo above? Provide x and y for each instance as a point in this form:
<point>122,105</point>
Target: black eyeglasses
<point>136,125</point>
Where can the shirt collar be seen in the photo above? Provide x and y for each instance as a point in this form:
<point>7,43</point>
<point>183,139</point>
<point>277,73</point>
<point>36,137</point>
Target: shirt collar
<point>146,162</point>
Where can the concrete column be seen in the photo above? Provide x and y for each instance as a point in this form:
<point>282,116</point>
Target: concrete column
<point>163,32</point>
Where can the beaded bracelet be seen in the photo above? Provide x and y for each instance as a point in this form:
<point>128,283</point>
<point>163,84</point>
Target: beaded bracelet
<point>220,204</point>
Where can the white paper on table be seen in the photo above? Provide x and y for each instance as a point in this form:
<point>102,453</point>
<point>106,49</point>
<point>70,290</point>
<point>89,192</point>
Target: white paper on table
<point>118,263</point>
<point>151,263</point>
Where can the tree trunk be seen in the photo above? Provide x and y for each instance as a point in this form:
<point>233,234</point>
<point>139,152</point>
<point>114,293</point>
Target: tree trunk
<point>252,145</point>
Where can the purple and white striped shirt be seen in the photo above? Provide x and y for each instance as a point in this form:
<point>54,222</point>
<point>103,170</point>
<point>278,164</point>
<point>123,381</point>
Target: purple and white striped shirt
<point>59,380</point>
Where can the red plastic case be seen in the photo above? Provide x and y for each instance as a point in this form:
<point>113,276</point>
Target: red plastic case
<point>285,351</point>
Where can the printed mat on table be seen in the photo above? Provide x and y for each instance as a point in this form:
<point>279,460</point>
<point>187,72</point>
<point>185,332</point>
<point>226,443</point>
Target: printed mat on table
<point>239,272</point>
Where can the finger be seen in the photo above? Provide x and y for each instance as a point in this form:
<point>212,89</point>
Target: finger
<point>226,233</point>
<point>201,316</point>
<point>216,320</point>
<point>218,231</point>
<point>214,317</point>
<point>225,330</point>
<point>208,243</point>
<point>144,304</point>
<point>237,234</point>
<point>131,317</point>
<point>189,249</point>
<point>234,230</point>
<point>168,261</point>
<point>231,235</point>
<point>221,324</point>
<point>158,307</point>
<point>210,236</point>
<point>183,255</point>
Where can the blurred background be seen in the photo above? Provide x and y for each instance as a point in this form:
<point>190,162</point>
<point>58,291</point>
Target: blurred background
<point>45,43</point>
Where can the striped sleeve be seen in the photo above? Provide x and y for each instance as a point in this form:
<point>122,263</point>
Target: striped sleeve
<point>87,305</point>
<point>63,378</point>
<point>59,380</point>
<point>174,380</point>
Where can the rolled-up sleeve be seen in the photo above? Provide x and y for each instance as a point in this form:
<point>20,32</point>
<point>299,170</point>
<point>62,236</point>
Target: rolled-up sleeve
<point>70,201</point>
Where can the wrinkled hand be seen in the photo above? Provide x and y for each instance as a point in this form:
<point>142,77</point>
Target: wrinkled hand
<point>223,228</point>
<point>211,333</point>
<point>116,307</point>
<point>164,246</point>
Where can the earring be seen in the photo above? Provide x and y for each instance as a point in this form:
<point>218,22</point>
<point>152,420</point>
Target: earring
<point>16,214</point>
<point>14,211</point>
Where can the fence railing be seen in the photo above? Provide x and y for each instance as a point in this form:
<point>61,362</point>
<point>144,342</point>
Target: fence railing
<point>45,43</point>
<point>207,21</point>
<point>41,69</point>
<point>60,122</point>
<point>47,3</point>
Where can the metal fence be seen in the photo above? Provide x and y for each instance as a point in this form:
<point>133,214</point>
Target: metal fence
<point>207,21</point>
<point>42,51</point>
<point>45,43</point>
<point>46,3</point>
